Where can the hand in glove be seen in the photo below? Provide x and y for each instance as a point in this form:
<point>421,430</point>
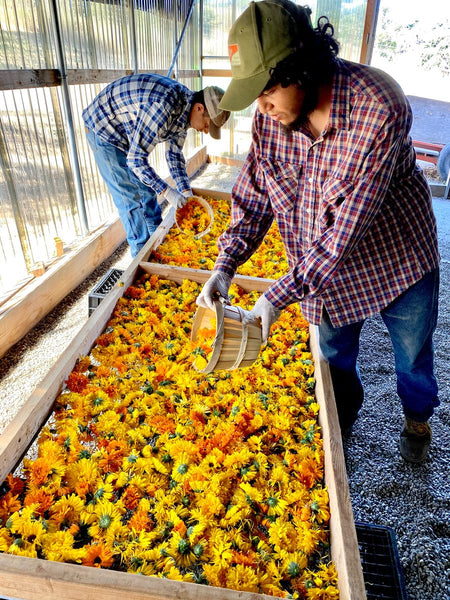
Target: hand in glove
<point>217,286</point>
<point>268,314</point>
<point>174,198</point>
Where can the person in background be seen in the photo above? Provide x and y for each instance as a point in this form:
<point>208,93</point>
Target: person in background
<point>332,161</point>
<point>125,122</point>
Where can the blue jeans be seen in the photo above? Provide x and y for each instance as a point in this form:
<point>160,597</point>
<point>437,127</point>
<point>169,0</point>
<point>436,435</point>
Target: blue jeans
<point>136,202</point>
<point>410,320</point>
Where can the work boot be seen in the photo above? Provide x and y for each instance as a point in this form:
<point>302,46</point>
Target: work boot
<point>415,440</point>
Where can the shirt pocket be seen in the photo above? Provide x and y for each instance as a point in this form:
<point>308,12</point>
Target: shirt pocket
<point>334,193</point>
<point>282,181</point>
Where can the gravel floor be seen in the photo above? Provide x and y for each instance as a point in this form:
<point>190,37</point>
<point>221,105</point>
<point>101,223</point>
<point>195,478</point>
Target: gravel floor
<point>413,500</point>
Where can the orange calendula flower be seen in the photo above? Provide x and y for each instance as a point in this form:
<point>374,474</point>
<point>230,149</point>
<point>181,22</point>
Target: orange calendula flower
<point>98,555</point>
<point>77,382</point>
<point>8,504</point>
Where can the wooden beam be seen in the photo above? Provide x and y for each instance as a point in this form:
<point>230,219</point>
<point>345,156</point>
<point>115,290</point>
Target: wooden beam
<point>370,25</point>
<point>89,76</point>
<point>216,72</point>
<point>37,579</point>
<point>217,195</point>
<point>201,276</point>
<point>29,78</point>
<point>344,543</point>
<point>225,160</point>
<point>11,79</point>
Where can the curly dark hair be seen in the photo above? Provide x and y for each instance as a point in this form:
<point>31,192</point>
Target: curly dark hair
<point>313,62</point>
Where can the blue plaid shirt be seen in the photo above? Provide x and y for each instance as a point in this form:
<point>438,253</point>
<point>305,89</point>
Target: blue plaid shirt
<point>353,209</point>
<point>139,111</point>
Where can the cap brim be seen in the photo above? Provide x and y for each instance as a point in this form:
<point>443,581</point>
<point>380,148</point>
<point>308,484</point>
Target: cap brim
<point>214,131</point>
<point>242,92</point>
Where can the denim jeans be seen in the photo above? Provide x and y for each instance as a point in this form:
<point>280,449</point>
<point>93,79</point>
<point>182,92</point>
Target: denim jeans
<point>136,202</point>
<point>410,320</point>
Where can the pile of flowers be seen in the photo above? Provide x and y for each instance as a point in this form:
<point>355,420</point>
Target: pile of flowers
<point>193,218</point>
<point>149,467</point>
<point>269,261</point>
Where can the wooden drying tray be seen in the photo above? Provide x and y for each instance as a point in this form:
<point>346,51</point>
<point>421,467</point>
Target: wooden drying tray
<point>38,579</point>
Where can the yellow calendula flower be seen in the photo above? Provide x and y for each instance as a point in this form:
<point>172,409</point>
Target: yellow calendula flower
<point>319,505</point>
<point>276,504</point>
<point>103,516</point>
<point>215,575</point>
<point>66,510</point>
<point>82,476</point>
<point>221,553</point>
<point>58,546</point>
<point>181,468</point>
<point>252,494</point>
<point>242,578</point>
<point>5,540</point>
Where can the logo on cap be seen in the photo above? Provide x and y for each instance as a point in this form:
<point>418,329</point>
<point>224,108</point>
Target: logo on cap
<point>233,51</point>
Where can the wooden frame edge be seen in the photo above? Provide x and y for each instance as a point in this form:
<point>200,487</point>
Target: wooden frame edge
<point>39,579</point>
<point>51,288</point>
<point>344,543</point>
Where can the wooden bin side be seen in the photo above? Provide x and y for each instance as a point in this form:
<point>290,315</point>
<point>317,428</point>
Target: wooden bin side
<point>344,543</point>
<point>37,579</point>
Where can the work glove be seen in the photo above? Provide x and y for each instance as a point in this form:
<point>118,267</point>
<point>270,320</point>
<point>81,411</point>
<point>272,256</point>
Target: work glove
<point>216,287</point>
<point>174,198</point>
<point>267,312</point>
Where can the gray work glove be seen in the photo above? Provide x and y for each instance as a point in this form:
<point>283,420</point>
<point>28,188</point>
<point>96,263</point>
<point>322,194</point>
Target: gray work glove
<point>174,198</point>
<point>267,312</point>
<point>217,286</point>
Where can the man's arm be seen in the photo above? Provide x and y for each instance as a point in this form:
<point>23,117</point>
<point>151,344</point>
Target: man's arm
<point>251,218</point>
<point>177,164</point>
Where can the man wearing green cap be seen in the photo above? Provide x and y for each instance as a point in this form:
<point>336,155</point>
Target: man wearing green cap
<point>332,162</point>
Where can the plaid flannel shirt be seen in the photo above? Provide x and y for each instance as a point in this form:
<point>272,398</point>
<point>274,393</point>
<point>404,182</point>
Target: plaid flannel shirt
<point>353,209</point>
<point>137,112</point>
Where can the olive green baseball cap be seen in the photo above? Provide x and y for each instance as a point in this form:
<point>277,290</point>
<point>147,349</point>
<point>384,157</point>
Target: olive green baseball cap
<point>263,35</point>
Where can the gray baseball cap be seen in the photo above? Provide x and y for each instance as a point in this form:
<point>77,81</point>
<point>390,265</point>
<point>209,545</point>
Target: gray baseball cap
<point>218,117</point>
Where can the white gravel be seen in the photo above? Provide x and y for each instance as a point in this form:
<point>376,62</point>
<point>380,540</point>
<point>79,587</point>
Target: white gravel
<point>413,500</point>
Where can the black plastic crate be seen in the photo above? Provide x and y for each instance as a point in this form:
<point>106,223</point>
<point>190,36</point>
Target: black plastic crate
<point>104,286</point>
<point>383,575</point>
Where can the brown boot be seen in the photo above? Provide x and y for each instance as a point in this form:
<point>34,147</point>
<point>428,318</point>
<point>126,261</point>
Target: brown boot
<point>415,440</point>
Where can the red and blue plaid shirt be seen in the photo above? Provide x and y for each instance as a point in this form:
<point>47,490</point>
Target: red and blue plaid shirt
<point>137,112</point>
<point>353,209</point>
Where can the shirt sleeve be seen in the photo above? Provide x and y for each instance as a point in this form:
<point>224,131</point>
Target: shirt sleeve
<point>251,218</point>
<point>177,164</point>
<point>150,121</point>
<point>348,204</point>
